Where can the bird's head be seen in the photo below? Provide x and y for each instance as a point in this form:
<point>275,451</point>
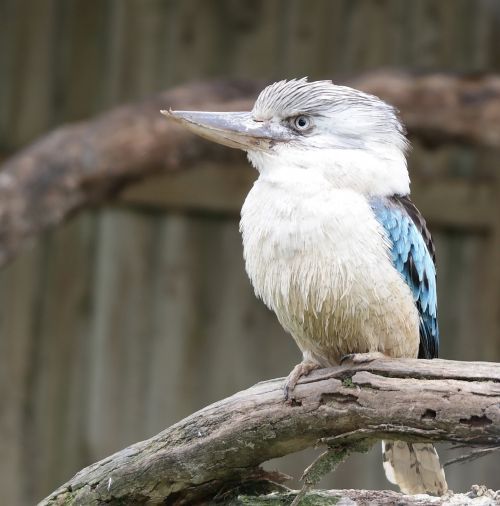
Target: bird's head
<point>314,131</point>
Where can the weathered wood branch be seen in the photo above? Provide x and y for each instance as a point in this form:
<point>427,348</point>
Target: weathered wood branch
<point>220,447</point>
<point>85,163</point>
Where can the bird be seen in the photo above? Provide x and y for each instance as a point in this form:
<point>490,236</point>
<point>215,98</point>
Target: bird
<point>332,242</point>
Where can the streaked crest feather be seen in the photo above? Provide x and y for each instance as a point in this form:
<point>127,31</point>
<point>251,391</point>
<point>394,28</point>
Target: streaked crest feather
<point>288,98</point>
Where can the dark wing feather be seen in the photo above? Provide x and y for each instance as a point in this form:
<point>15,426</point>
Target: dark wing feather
<point>418,221</point>
<point>413,255</point>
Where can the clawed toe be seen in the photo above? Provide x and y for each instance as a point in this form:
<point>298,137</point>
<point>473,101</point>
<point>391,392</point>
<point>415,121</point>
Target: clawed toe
<point>361,358</point>
<point>302,369</point>
<point>347,358</point>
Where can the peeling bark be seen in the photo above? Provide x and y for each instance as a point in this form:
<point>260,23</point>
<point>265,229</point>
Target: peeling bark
<point>216,452</point>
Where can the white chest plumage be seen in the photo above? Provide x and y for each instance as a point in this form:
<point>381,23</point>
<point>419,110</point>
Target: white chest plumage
<point>319,259</point>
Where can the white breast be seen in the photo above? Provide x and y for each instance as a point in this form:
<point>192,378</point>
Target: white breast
<point>319,259</point>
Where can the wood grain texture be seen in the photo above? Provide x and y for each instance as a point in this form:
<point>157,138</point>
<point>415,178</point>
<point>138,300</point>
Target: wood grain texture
<point>222,445</point>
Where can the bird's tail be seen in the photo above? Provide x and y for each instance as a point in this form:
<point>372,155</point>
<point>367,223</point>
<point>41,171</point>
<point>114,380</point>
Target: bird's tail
<point>414,467</point>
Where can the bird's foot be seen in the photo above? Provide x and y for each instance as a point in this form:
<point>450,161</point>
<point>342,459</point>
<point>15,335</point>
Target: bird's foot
<point>302,369</point>
<point>361,358</point>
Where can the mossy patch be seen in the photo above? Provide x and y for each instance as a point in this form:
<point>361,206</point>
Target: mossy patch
<point>347,382</point>
<point>313,498</point>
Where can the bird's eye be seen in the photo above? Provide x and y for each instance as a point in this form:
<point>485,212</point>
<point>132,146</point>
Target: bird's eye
<point>301,123</point>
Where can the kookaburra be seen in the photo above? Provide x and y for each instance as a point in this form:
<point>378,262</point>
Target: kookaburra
<point>332,242</point>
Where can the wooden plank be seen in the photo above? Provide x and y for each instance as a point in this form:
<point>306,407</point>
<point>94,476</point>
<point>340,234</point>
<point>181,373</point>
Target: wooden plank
<point>8,11</point>
<point>78,59</point>
<point>141,48</point>
<point>208,187</point>
<point>113,58</point>
<point>258,28</point>
<point>120,330</point>
<point>178,322</point>
<point>20,292</point>
<point>488,276</point>
<point>57,392</point>
<point>32,71</point>
<point>450,202</point>
<point>201,49</point>
<point>458,203</point>
<point>305,32</point>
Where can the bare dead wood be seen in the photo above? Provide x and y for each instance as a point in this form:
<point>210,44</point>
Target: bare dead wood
<point>86,163</point>
<point>220,447</point>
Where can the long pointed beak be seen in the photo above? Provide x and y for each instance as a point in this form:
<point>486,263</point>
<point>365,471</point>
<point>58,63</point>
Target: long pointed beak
<point>234,129</point>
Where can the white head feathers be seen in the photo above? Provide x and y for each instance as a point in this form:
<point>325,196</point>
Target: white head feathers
<point>355,141</point>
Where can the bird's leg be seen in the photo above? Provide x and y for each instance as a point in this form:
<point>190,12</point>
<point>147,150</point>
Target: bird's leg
<point>302,369</point>
<point>361,358</point>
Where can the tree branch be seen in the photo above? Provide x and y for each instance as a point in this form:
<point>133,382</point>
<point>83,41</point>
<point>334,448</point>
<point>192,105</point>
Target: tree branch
<point>219,448</point>
<point>86,163</point>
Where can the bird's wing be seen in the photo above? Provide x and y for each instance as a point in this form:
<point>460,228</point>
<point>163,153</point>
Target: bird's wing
<point>413,255</point>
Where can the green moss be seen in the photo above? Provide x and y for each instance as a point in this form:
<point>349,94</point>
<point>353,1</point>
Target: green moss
<point>347,382</point>
<point>313,498</point>
<point>324,464</point>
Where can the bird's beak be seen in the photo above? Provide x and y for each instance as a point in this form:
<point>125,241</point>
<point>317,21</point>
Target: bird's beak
<point>234,129</point>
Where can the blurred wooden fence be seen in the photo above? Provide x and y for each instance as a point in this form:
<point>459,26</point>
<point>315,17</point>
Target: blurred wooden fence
<point>132,316</point>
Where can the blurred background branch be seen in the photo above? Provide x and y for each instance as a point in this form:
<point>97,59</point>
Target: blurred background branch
<point>84,164</point>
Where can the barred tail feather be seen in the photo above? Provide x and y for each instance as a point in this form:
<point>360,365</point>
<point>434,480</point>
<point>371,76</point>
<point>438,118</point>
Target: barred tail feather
<point>414,467</point>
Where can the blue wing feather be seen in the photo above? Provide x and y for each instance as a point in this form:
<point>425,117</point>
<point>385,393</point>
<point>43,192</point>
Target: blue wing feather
<point>412,254</point>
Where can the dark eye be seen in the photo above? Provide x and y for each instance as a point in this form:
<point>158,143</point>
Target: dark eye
<point>301,122</point>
